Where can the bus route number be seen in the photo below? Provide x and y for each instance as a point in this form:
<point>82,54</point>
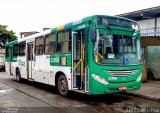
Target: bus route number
<point>55,60</point>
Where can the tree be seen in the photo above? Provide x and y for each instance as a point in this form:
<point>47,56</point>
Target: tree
<point>6,35</point>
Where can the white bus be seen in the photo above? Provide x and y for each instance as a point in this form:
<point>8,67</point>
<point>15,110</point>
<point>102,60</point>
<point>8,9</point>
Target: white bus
<point>2,60</point>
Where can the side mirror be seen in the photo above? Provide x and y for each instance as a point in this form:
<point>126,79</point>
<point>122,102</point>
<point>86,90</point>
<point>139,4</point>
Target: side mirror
<point>93,35</point>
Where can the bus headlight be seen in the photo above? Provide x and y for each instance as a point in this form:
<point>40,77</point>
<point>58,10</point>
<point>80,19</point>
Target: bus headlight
<point>139,78</point>
<point>99,79</point>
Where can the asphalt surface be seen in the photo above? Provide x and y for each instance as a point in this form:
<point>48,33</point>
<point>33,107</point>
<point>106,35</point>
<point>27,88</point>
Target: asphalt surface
<point>31,97</point>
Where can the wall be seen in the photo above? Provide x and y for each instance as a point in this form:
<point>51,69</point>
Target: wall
<point>158,22</point>
<point>148,26</point>
<point>147,23</point>
<point>153,60</point>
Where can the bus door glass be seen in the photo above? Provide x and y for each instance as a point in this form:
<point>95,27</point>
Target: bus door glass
<point>78,70</point>
<point>74,58</point>
<point>29,59</point>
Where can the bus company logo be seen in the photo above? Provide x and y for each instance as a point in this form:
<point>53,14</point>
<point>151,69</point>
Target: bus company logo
<point>55,60</point>
<point>112,78</point>
<point>81,26</point>
<point>21,63</point>
<point>123,68</point>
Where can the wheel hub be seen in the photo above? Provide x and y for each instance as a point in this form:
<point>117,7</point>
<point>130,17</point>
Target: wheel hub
<point>17,77</point>
<point>63,85</point>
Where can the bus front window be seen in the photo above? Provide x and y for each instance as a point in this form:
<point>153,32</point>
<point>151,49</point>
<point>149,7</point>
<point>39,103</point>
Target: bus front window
<point>112,49</point>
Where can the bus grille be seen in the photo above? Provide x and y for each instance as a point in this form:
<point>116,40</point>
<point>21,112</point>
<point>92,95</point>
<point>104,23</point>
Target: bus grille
<point>122,73</point>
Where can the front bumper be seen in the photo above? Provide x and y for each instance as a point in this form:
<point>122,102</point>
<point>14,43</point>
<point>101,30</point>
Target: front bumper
<point>98,88</point>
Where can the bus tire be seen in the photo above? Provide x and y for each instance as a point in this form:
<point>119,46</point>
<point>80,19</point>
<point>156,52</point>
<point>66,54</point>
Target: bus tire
<point>18,76</point>
<point>63,85</point>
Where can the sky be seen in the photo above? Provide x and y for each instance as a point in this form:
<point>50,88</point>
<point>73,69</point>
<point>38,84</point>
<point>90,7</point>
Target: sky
<point>34,15</point>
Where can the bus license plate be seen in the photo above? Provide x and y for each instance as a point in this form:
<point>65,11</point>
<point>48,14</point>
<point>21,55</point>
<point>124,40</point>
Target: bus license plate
<point>123,88</point>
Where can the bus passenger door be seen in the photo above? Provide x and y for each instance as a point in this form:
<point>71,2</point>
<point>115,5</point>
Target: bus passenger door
<point>29,60</point>
<point>77,60</point>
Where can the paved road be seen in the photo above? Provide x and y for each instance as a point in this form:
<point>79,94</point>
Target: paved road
<point>36,97</point>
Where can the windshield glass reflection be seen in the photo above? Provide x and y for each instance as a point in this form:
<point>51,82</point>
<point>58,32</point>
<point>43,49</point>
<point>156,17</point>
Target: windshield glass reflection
<point>116,49</point>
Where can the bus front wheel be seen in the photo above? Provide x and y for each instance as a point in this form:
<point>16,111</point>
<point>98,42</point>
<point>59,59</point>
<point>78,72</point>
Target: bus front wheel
<point>18,76</point>
<point>63,85</point>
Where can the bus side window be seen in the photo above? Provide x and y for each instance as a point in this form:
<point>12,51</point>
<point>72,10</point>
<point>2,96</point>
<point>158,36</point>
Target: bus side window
<point>50,44</point>
<point>64,41</point>
<point>22,48</point>
<point>39,46</point>
<point>15,50</point>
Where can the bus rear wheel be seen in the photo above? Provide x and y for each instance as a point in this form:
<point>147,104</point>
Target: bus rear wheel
<point>18,76</point>
<point>63,85</point>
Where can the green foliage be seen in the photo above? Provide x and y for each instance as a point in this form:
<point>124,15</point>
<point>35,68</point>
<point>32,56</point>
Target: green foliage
<point>6,35</point>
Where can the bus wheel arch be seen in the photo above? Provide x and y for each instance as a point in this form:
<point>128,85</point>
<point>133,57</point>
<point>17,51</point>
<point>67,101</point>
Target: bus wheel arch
<point>62,83</point>
<point>57,76</point>
<point>18,75</point>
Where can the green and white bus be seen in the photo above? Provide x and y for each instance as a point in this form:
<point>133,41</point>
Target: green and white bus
<point>98,54</point>
<point>11,53</point>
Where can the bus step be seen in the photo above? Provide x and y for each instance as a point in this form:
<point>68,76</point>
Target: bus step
<point>77,74</point>
<point>29,79</point>
<point>77,60</point>
<point>79,91</point>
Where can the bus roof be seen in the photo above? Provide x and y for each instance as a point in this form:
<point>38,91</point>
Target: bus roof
<point>11,43</point>
<point>68,26</point>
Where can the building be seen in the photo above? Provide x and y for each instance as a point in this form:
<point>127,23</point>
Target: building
<point>25,34</point>
<point>148,19</point>
<point>149,22</point>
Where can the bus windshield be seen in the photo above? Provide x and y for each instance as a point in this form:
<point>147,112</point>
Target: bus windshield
<point>110,49</point>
